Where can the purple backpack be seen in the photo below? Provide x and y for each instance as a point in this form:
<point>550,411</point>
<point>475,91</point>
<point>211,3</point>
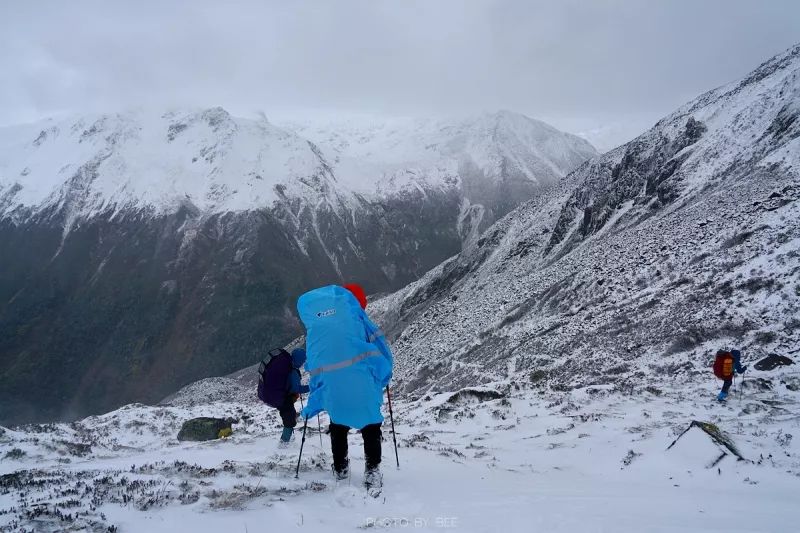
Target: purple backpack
<point>273,375</point>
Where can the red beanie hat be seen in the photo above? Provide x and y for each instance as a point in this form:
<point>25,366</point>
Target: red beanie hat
<point>358,292</point>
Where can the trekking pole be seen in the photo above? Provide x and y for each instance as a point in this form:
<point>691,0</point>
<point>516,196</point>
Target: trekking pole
<point>297,470</point>
<point>741,386</point>
<point>394,435</point>
<point>319,429</point>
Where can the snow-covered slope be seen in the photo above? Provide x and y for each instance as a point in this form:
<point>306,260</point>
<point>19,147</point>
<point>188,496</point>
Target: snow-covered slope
<point>218,163</point>
<point>400,150</point>
<point>137,160</point>
<point>636,267</point>
<point>531,460</point>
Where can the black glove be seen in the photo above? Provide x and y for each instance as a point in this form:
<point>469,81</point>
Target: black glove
<point>744,369</point>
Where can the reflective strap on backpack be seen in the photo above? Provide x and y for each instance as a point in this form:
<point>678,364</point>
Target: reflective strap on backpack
<point>345,363</point>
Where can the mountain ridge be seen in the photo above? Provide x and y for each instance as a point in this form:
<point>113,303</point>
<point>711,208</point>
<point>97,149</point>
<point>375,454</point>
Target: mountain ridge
<point>146,253</point>
<point>633,258</point>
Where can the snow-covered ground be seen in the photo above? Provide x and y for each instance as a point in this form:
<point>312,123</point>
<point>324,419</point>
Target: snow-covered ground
<point>503,457</point>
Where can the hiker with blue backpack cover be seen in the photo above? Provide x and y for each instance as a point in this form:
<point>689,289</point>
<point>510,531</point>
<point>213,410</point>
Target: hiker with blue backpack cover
<point>350,364</point>
<point>279,386</point>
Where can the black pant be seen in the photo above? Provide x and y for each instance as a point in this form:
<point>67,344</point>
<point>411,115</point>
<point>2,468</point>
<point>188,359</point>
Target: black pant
<point>727,385</point>
<point>288,412</point>
<point>372,445</point>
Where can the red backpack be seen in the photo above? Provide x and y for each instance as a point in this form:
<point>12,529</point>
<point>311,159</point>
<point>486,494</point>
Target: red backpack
<point>723,365</point>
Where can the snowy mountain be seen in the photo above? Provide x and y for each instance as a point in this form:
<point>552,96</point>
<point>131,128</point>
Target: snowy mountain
<point>146,250</point>
<point>92,165</point>
<point>555,372</point>
<point>498,158</point>
<point>635,268</point>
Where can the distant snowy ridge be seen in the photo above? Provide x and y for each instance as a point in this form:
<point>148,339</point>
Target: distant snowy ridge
<point>364,148</point>
<point>138,160</point>
<point>217,163</point>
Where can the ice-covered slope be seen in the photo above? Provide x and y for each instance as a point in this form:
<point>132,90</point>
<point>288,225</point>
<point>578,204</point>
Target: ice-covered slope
<point>637,266</point>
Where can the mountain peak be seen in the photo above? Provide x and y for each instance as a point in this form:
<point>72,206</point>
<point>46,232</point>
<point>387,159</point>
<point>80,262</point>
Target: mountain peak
<point>156,160</point>
<point>634,258</point>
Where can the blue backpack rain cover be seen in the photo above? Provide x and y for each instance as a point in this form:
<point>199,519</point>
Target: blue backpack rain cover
<point>273,373</point>
<point>349,360</point>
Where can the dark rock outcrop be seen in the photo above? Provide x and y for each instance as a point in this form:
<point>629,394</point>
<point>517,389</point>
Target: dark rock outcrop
<point>205,428</point>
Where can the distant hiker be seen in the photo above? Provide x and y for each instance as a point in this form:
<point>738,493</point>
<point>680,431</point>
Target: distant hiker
<point>279,386</point>
<point>350,364</point>
<point>726,365</point>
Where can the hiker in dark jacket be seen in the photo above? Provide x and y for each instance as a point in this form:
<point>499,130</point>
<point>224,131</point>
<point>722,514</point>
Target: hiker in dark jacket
<point>737,369</point>
<point>293,391</point>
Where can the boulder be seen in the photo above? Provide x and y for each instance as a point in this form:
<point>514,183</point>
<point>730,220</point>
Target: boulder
<point>206,428</point>
<point>772,361</point>
<point>474,395</point>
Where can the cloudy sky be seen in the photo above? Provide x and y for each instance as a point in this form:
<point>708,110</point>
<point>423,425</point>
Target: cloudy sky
<point>613,66</point>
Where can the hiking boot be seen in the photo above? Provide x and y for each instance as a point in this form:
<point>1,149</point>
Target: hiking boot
<point>341,473</point>
<point>287,436</point>
<point>721,397</point>
<point>373,479</point>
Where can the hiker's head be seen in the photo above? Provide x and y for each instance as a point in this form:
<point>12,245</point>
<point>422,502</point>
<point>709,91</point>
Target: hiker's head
<point>298,357</point>
<point>736,353</point>
<point>358,292</point>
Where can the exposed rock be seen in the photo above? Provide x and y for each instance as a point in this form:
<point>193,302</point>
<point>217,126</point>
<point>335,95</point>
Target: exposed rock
<point>722,440</point>
<point>206,428</point>
<point>773,361</point>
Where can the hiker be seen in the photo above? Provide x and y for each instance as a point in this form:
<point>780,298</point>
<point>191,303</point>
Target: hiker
<point>350,364</point>
<point>279,387</point>
<point>728,374</point>
<point>293,391</point>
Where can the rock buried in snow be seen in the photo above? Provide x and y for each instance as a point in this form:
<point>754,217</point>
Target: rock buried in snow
<point>474,395</point>
<point>706,441</point>
<point>771,362</point>
<point>206,428</point>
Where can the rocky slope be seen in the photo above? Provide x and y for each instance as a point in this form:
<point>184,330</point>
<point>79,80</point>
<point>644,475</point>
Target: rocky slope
<point>142,251</point>
<point>635,268</point>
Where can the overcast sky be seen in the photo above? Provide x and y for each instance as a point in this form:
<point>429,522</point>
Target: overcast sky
<point>577,64</point>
